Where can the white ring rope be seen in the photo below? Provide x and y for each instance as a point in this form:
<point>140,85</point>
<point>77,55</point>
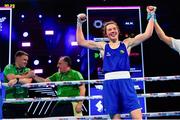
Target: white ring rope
<point>159,114</point>
<point>96,81</point>
<point>159,78</point>
<point>106,117</point>
<point>53,99</point>
<point>51,84</point>
<point>169,94</point>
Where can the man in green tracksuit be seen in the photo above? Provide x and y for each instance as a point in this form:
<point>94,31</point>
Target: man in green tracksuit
<point>65,73</point>
<point>17,73</point>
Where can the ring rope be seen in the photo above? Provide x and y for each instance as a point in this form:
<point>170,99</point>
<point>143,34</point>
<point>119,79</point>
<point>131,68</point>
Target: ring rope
<point>155,114</point>
<point>52,99</point>
<point>104,117</point>
<point>168,94</point>
<point>96,81</point>
<point>159,78</point>
<point>48,84</point>
<point>159,114</point>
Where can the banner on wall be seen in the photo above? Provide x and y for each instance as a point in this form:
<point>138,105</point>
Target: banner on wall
<point>5,36</point>
<point>5,46</point>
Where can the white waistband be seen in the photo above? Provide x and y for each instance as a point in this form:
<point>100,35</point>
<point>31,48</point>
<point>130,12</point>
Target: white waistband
<point>117,75</point>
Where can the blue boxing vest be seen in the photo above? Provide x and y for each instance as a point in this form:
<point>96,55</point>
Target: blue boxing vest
<point>116,59</point>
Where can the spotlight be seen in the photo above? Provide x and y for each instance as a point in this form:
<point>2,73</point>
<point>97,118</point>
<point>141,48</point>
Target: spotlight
<point>38,71</point>
<point>74,44</point>
<point>22,16</point>
<point>49,32</point>
<point>40,16</point>
<point>59,15</point>
<point>49,61</point>
<point>26,44</point>
<point>36,62</point>
<point>78,60</point>
<point>25,34</point>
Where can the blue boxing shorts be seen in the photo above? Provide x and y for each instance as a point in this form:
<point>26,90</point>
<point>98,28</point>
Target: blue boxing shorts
<point>119,95</point>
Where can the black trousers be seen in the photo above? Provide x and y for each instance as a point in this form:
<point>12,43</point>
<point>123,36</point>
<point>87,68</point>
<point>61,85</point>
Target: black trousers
<point>15,110</point>
<point>62,109</point>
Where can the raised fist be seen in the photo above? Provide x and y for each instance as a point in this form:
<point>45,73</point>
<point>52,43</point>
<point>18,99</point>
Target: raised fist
<point>81,18</point>
<point>151,9</point>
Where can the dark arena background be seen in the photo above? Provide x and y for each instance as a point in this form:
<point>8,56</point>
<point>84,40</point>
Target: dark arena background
<point>46,30</point>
